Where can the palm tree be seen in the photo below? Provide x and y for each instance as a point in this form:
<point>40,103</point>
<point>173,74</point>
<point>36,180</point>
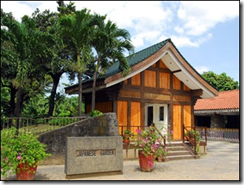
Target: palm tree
<point>78,27</point>
<point>110,43</point>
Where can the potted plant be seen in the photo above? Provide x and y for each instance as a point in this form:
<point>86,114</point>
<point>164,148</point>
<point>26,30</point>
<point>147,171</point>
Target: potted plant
<point>151,147</point>
<point>127,136</point>
<point>191,134</point>
<point>21,153</point>
<point>161,153</point>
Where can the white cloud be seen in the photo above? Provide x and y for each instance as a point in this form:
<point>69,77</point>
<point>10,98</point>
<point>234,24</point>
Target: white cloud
<point>18,9</point>
<point>202,69</point>
<point>186,41</point>
<point>187,23</point>
<point>179,30</point>
<point>51,5</point>
<point>145,20</point>
<point>197,17</point>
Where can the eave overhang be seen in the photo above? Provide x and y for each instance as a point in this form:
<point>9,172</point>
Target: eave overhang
<point>216,111</point>
<point>172,59</point>
<point>176,63</point>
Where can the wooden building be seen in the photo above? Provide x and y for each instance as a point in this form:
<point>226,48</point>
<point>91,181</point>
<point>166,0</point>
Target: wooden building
<point>161,88</point>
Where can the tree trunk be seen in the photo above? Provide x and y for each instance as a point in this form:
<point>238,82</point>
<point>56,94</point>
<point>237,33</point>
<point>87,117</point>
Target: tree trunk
<point>17,108</point>
<point>80,94</point>
<point>12,101</point>
<point>56,79</point>
<point>80,83</point>
<point>94,86</point>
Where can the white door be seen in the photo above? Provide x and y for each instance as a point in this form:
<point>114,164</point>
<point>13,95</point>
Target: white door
<point>158,114</point>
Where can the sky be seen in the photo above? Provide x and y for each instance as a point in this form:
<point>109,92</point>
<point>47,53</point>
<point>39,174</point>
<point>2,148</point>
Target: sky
<point>205,32</point>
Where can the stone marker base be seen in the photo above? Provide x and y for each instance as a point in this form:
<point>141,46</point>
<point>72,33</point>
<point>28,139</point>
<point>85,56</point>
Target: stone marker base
<point>93,175</point>
<point>92,155</point>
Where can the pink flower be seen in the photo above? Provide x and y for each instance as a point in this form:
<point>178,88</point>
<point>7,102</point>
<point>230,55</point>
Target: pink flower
<point>138,131</point>
<point>172,131</point>
<point>6,159</point>
<point>19,157</point>
<point>150,163</point>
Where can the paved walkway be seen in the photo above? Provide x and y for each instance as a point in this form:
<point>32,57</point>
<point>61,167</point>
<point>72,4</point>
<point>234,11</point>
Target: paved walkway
<point>220,163</point>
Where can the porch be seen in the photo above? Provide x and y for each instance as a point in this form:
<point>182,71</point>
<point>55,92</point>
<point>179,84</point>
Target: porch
<point>184,149</point>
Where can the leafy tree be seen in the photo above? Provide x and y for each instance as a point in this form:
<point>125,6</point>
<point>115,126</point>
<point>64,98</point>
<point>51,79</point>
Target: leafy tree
<point>109,43</point>
<point>78,27</point>
<point>8,55</point>
<point>220,82</point>
<point>5,99</point>
<point>19,71</point>
<point>57,61</point>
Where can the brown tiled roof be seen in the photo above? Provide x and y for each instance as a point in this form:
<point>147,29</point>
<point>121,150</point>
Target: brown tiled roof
<point>225,100</point>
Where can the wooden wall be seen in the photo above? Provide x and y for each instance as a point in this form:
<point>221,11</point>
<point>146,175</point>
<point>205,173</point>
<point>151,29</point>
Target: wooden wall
<point>101,106</point>
<point>177,128</point>
<point>157,84</point>
<point>122,114</point>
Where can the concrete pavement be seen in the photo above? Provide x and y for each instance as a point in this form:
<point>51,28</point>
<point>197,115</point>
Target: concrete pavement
<point>220,163</point>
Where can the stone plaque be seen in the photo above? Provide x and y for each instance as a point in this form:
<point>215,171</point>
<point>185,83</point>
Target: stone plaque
<point>89,155</point>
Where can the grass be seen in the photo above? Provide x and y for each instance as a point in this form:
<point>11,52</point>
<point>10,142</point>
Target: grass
<point>38,129</point>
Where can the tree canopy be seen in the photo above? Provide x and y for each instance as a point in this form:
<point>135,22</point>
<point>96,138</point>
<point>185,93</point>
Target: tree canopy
<point>220,82</point>
<point>38,50</point>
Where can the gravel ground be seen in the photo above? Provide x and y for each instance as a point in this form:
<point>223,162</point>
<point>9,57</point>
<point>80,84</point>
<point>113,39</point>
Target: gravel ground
<point>220,163</point>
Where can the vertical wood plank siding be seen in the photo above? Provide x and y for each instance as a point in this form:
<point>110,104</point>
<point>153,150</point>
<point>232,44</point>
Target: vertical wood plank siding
<point>135,115</point>
<point>186,88</point>
<point>164,81</point>
<point>177,126</point>
<point>176,83</point>
<point>136,80</point>
<point>162,65</point>
<point>101,106</point>
<point>187,116</point>
<point>150,78</point>
<point>122,113</point>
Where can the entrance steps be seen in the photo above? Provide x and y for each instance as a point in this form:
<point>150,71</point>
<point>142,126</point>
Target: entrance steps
<point>178,151</point>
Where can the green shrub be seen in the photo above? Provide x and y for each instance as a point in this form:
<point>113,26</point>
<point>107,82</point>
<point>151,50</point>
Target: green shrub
<point>22,148</point>
<point>61,121</point>
<point>95,113</point>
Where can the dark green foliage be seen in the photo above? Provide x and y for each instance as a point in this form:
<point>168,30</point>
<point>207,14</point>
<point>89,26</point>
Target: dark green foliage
<point>95,113</point>
<point>220,82</point>
<point>38,50</point>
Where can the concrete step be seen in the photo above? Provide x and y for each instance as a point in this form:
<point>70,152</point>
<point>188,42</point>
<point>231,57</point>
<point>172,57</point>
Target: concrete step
<point>176,148</point>
<point>180,157</point>
<point>177,153</point>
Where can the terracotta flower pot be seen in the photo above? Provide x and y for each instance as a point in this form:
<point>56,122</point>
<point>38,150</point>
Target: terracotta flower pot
<point>26,172</point>
<point>126,139</point>
<point>160,159</point>
<point>146,162</point>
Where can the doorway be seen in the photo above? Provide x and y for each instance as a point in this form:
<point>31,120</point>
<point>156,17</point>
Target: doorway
<point>158,114</point>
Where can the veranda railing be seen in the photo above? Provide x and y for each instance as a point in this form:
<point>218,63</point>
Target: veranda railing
<point>38,126</point>
<point>224,134</point>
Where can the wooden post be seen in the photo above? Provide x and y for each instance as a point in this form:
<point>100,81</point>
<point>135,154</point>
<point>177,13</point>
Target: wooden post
<point>183,133</point>
<point>195,145</point>
<point>206,135</point>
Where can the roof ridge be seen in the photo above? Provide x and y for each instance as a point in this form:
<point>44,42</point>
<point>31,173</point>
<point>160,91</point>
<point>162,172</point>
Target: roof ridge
<point>167,40</point>
<point>133,59</point>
